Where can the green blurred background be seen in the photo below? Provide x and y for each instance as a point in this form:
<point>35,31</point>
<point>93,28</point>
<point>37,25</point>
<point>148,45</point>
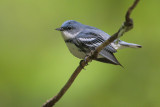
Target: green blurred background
<point>35,62</point>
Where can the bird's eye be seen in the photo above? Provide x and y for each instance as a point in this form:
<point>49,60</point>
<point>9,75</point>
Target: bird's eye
<point>69,28</point>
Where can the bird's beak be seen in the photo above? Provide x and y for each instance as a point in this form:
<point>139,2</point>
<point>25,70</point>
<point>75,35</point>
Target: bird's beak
<point>59,29</point>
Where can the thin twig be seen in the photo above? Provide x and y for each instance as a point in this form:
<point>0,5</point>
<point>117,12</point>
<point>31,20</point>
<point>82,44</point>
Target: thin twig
<point>55,99</point>
<point>127,25</point>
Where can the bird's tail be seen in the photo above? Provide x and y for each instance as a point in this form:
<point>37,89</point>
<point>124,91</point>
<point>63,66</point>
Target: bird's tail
<point>122,44</point>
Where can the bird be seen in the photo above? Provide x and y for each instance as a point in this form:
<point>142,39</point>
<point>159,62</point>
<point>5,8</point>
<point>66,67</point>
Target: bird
<point>82,40</point>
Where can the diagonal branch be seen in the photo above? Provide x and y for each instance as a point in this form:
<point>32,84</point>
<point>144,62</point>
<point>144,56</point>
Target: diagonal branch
<point>126,26</point>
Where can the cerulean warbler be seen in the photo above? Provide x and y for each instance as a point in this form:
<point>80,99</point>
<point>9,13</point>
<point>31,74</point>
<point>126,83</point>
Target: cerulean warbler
<point>82,40</point>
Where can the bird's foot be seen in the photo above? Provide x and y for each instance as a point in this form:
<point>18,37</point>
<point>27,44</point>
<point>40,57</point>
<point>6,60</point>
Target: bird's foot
<point>85,60</point>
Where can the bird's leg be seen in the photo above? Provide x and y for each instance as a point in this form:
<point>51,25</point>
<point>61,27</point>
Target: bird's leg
<point>85,59</point>
<point>91,53</point>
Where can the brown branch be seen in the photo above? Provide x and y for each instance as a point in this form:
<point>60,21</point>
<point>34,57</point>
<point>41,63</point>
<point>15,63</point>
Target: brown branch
<point>55,99</point>
<point>130,10</point>
<point>127,25</point>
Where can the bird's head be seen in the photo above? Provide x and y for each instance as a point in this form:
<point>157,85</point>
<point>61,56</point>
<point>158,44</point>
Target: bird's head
<point>71,27</point>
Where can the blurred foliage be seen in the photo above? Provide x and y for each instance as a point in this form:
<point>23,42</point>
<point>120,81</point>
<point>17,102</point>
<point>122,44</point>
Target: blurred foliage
<point>35,62</point>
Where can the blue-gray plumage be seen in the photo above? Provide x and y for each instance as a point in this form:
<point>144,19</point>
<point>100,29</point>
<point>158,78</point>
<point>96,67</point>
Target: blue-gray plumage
<point>82,40</point>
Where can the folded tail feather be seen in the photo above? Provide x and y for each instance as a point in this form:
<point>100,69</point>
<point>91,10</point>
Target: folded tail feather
<point>123,44</point>
<point>107,57</point>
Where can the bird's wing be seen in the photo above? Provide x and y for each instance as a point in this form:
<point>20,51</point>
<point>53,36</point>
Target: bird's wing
<point>92,40</point>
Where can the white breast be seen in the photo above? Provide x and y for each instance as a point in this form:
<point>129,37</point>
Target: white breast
<point>72,47</point>
<point>75,51</point>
